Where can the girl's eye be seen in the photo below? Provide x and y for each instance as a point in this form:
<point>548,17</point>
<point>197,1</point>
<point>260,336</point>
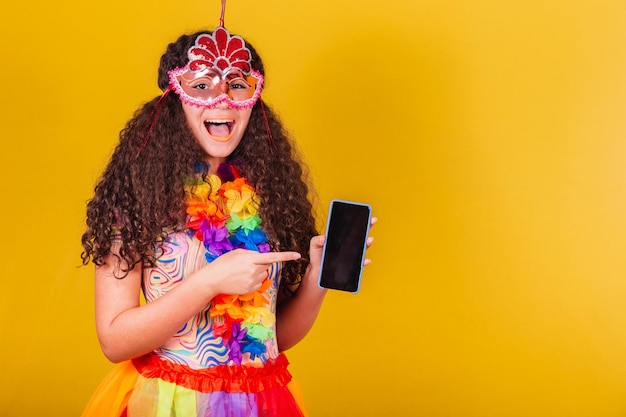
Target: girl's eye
<point>238,84</point>
<point>201,86</point>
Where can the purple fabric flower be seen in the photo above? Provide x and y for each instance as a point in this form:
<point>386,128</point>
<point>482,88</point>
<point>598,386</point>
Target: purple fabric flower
<point>224,172</point>
<point>215,239</point>
<point>234,344</point>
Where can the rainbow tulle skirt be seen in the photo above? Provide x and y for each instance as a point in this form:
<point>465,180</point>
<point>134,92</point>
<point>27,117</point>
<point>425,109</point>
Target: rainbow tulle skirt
<point>151,387</point>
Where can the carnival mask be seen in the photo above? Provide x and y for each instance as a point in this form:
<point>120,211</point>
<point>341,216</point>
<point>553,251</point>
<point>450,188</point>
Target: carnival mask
<point>219,71</point>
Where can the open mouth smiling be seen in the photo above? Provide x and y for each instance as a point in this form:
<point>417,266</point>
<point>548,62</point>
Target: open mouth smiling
<point>220,129</point>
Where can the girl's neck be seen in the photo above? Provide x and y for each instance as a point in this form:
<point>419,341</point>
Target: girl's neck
<point>214,163</point>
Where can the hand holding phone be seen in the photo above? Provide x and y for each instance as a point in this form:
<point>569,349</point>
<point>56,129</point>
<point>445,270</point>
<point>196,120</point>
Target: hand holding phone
<point>345,244</point>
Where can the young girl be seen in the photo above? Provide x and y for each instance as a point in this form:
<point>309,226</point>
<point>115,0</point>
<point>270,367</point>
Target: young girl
<point>204,208</point>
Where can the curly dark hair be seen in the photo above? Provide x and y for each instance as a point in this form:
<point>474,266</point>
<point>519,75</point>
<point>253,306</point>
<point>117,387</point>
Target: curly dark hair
<point>140,196</point>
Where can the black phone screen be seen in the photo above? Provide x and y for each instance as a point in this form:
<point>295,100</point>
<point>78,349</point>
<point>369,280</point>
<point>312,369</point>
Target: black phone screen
<point>344,247</point>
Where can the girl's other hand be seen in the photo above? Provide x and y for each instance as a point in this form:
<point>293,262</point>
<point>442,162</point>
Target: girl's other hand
<point>370,240</point>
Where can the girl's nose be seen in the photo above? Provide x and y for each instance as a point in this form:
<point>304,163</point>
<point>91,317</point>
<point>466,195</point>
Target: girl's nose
<point>222,105</point>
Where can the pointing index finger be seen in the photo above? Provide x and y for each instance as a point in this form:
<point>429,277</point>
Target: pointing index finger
<point>271,257</point>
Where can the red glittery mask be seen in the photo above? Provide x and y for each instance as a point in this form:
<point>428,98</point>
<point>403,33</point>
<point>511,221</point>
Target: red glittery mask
<point>219,71</point>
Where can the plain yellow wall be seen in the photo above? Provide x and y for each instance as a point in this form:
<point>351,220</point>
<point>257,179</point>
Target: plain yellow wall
<point>489,135</point>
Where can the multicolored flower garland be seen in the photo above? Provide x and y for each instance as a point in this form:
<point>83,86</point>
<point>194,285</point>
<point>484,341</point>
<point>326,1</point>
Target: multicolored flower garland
<point>222,212</point>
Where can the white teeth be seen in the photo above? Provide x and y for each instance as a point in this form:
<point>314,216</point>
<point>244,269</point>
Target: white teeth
<point>219,121</point>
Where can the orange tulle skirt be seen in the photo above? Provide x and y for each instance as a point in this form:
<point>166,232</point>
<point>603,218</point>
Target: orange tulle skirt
<point>151,387</point>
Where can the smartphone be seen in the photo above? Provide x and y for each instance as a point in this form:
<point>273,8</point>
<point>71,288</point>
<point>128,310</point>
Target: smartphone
<point>344,248</point>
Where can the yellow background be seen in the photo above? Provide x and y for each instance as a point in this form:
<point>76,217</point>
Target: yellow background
<point>489,136</point>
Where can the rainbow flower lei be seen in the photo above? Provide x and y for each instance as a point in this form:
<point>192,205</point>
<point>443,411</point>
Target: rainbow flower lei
<point>222,212</point>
